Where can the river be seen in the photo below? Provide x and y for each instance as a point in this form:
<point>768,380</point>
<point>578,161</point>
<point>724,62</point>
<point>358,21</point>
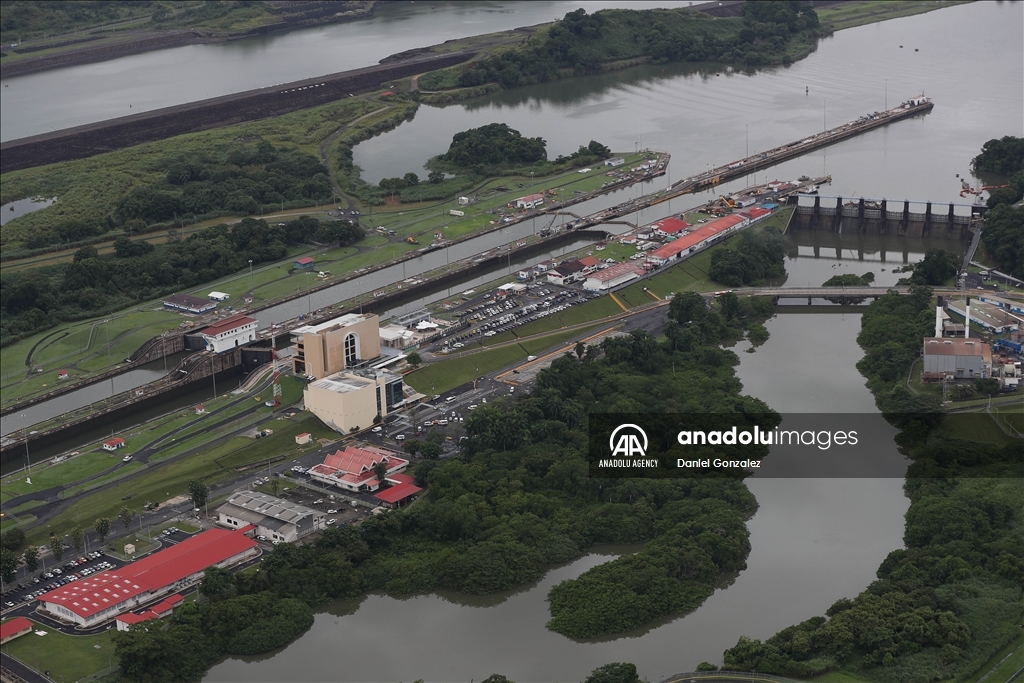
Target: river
<point>52,100</point>
<point>813,541</point>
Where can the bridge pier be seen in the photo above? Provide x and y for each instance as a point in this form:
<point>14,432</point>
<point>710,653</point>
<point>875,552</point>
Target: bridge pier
<point>927,220</point>
<point>905,220</point>
<point>885,218</point>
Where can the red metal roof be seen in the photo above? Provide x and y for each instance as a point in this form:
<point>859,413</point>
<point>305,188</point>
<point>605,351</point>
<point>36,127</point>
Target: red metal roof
<point>397,493</point>
<point>305,260</point>
<point>14,627</point>
<point>400,478</point>
<point>589,261</point>
<point>87,596</point>
<point>612,272</point>
<point>228,324</point>
<point>132,618</point>
<point>113,442</point>
<point>670,225</point>
<point>697,236</point>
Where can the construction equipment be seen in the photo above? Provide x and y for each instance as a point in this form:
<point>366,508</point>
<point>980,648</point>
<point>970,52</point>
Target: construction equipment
<point>411,240</point>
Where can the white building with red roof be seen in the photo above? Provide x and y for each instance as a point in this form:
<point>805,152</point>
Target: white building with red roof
<point>229,333</point>
<point>353,468</point>
<point>103,596</point>
<point>113,444</point>
<point>698,240</point>
<point>530,201</point>
<point>669,227</point>
<point>612,276</point>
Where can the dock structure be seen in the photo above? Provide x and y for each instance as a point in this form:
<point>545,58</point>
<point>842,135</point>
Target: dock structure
<point>885,217</point>
<point>736,169</point>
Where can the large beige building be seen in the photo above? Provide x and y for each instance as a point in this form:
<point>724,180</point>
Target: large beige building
<point>335,345</point>
<point>349,400</point>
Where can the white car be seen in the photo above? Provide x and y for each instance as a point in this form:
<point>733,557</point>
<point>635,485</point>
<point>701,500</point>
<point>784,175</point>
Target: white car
<point>400,437</point>
<point>490,333</point>
<point>332,512</point>
<point>376,430</point>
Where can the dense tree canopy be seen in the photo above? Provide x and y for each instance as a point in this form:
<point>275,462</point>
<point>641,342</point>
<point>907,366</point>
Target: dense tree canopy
<point>755,257</point>
<point>581,43</point>
<point>495,144</point>
<point>35,299</point>
<point>1004,156</point>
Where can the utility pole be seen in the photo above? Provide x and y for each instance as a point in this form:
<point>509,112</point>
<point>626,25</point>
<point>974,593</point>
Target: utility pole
<point>250,278</point>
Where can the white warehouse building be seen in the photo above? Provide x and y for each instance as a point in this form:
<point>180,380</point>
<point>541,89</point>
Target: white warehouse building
<point>225,335</point>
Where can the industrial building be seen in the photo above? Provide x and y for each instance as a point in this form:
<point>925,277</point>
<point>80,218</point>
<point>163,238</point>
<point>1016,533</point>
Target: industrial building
<point>189,303</point>
<point>698,239</point>
<point>219,296</point>
<point>346,401</point>
<point>956,359</point>
<point>103,596</point>
<point>988,315</point>
<point>304,263</point>
<point>229,333</point>
<point>335,345</point>
<point>614,161</point>
<point>274,518</point>
<point>612,277</point>
<point>354,468</point>
<point>530,201</point>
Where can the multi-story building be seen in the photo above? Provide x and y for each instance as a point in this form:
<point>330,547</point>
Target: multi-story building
<point>347,401</point>
<point>335,345</point>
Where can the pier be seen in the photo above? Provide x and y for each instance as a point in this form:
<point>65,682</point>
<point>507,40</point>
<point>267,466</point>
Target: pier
<point>912,107</point>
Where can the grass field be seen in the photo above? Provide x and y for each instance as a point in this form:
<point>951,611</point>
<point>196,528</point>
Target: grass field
<point>850,14</point>
<point>211,464</point>
<point>448,374</point>
<point>80,347</point>
<point>67,658</point>
<point>120,473</point>
<point>1004,663</point>
<point>67,472</point>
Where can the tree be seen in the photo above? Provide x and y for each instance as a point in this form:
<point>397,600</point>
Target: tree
<point>126,516</point>
<point>380,470</point>
<point>198,491</point>
<point>31,557</point>
<point>431,450</point>
<point>217,584</point>
<point>411,179</point>
<point>102,528</point>
<point>413,446</point>
<point>8,565</point>
<point>616,672</point>
<point>77,538</point>
<point>414,359</point>
<point>13,539</point>
<point>57,547</point>
<point>435,177</point>
<point>274,485</point>
<point>706,666</point>
<point>580,349</point>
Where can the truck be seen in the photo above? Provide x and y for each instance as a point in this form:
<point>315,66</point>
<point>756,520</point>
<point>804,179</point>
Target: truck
<point>456,212</point>
<point>411,240</point>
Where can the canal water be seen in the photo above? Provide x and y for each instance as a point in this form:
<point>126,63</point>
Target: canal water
<point>52,100</point>
<point>813,541</point>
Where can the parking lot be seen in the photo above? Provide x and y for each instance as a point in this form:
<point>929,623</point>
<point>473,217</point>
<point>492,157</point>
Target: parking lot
<point>53,577</point>
<point>490,314</point>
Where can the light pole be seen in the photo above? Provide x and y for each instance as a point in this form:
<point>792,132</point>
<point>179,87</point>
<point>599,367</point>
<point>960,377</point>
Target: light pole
<point>250,279</point>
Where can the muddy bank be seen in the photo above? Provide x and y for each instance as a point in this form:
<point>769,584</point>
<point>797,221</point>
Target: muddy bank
<point>104,136</point>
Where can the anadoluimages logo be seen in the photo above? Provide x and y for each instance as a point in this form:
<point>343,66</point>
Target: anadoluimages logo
<point>626,440</point>
<point>628,444</point>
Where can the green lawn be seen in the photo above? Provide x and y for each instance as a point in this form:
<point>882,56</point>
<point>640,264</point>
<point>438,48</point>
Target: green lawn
<point>841,677</point>
<point>67,658</point>
<point>159,484</point>
<point>1004,663</point>
<point>80,348</point>
<point>120,473</point>
<point>448,374</point>
<point>67,472</point>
